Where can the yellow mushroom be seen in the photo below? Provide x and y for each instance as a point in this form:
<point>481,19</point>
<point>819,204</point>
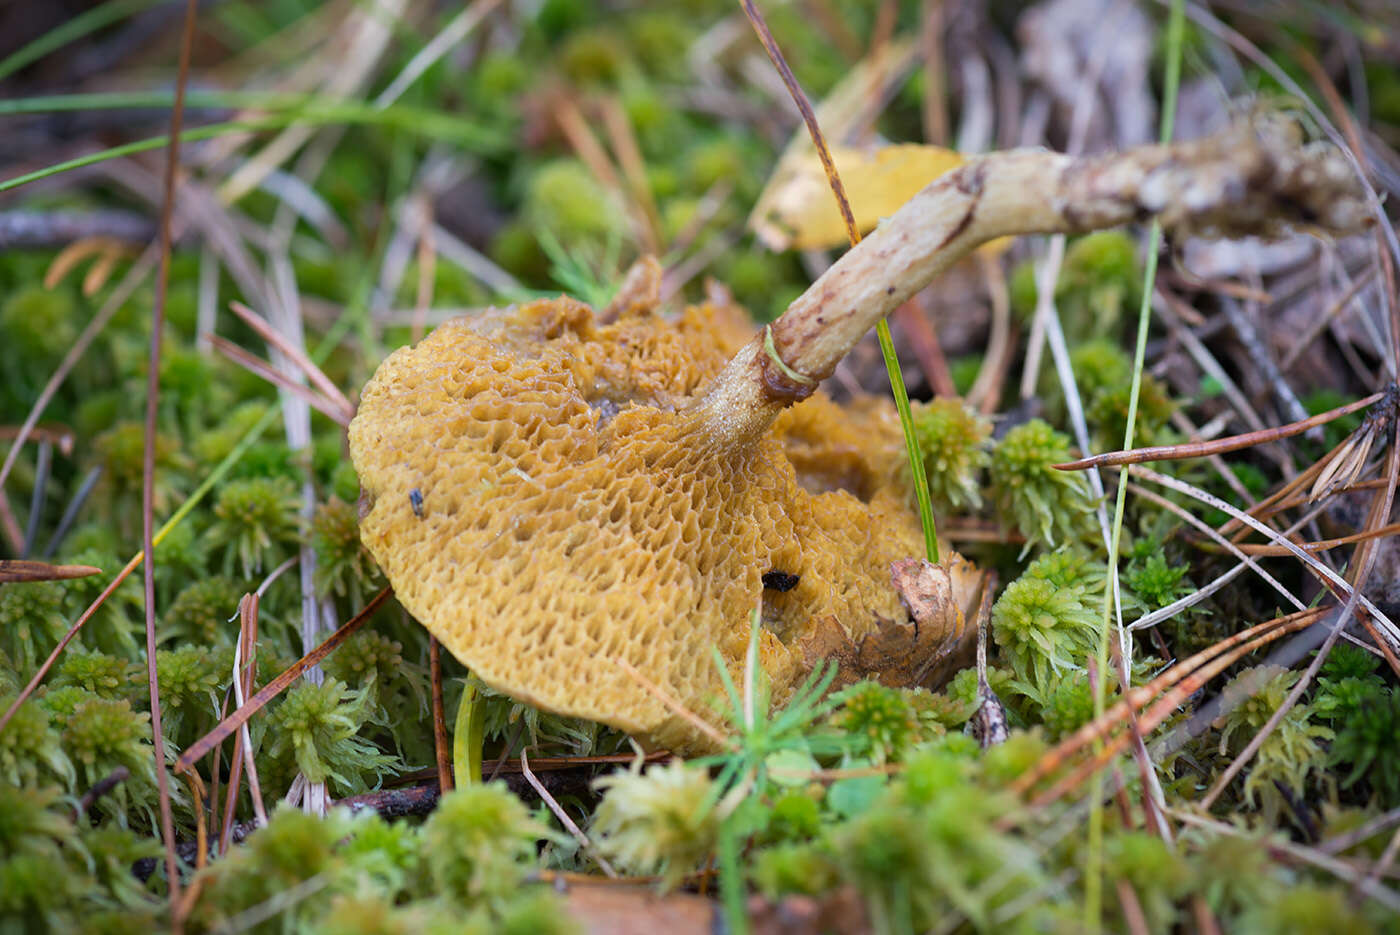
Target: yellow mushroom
<point>550,493</point>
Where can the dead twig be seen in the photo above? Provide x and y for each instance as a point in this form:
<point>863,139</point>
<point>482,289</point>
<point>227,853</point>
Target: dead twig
<point>1219,445</point>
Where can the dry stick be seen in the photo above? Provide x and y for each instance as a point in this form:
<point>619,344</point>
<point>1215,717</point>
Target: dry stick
<point>1320,325</point>
<point>243,683</point>
<point>148,460</point>
<point>935,109</point>
<point>201,747</point>
<point>1324,544</point>
<point>1163,613</point>
<point>1341,869</point>
<point>1246,179</point>
<point>442,745</point>
<point>923,340</point>
<point>1219,445</point>
<point>60,435</point>
<point>634,169</point>
<point>1353,137</point>
<point>1329,578</point>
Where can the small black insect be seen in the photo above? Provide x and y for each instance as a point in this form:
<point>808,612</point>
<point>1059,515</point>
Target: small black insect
<point>780,580</point>
<point>415,497</point>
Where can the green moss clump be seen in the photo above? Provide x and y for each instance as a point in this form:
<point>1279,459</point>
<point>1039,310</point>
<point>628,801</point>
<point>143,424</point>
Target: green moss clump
<point>661,821</point>
<point>102,735</point>
<point>31,621</point>
<point>565,200</point>
<point>1045,505</point>
<point>1293,752</point>
<point>953,440</point>
<point>190,679</point>
<point>342,565</point>
<point>201,613</point>
<point>477,842</point>
<point>877,720</point>
<point>255,520</point>
<point>316,727</point>
<point>103,675</point>
<point>30,752</point>
<point>1047,621</point>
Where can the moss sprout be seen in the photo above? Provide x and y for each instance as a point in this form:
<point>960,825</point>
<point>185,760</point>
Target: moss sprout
<point>31,621</point>
<point>1368,742</point>
<point>102,735</point>
<point>807,869</point>
<point>316,728</point>
<point>29,747</point>
<point>1156,583</point>
<point>201,613</point>
<point>566,200</point>
<point>877,719</point>
<point>190,678</point>
<point>953,439</point>
<point>661,821</point>
<point>1047,621</point>
<point>103,675</point>
<point>342,566</point>
<point>1045,505</point>
<point>1293,752</point>
<point>477,843</point>
<point>254,517</point>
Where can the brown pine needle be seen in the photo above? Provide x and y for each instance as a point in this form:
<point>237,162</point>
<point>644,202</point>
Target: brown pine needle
<point>277,378</point>
<point>314,374</point>
<point>669,700</point>
<point>1219,445</point>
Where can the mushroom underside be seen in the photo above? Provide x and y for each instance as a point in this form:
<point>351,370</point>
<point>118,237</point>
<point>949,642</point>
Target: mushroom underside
<point>544,502</point>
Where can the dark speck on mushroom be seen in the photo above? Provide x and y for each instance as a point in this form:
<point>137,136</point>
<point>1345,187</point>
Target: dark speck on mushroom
<point>415,498</point>
<point>780,580</point>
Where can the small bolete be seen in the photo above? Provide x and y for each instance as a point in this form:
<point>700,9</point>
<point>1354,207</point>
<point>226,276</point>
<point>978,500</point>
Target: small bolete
<point>550,490</point>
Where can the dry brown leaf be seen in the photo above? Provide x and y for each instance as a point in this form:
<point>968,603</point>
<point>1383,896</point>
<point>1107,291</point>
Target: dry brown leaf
<point>922,650</point>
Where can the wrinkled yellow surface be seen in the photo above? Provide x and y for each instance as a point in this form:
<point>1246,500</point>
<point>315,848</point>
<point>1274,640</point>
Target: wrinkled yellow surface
<point>572,516</point>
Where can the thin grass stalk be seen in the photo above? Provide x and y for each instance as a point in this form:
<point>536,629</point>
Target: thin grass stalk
<point>148,454</point>
<point>882,328</point>
<point>1093,871</point>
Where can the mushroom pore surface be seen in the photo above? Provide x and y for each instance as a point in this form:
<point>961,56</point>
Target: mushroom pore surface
<point>544,502</point>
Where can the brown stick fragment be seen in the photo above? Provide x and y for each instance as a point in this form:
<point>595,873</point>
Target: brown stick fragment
<point>17,569</point>
<point>442,745</point>
<point>1253,179</point>
<point>1219,445</point>
<point>201,747</point>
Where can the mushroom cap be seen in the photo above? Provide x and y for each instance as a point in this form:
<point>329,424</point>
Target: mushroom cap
<point>541,499</point>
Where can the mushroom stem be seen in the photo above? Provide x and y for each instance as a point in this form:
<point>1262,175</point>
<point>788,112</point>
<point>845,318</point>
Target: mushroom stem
<point>1257,178</point>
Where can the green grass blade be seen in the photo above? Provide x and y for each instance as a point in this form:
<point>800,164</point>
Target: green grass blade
<point>74,29</point>
<point>911,440</point>
<point>1093,870</point>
